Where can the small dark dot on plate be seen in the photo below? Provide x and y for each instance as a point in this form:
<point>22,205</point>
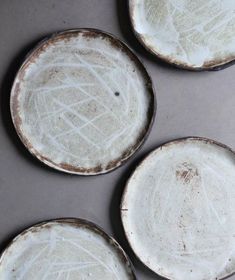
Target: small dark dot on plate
<point>117,93</point>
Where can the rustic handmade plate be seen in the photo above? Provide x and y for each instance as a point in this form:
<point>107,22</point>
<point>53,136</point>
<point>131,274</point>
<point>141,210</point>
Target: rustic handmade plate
<point>64,249</point>
<point>197,35</point>
<point>82,102</point>
<point>178,210</point>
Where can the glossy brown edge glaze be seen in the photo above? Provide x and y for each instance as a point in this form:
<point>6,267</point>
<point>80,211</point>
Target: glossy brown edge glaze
<point>123,208</point>
<point>115,42</point>
<point>212,65</point>
<point>80,223</point>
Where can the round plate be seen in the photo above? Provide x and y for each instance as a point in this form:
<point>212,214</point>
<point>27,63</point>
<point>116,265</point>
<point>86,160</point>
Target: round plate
<point>178,210</point>
<point>82,102</point>
<point>196,35</point>
<point>64,249</point>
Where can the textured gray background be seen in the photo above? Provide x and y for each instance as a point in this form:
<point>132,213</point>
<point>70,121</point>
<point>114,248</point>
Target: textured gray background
<point>189,103</point>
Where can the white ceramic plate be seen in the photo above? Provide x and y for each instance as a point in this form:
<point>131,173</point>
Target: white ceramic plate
<point>68,249</point>
<point>82,102</point>
<point>178,210</point>
<point>194,34</point>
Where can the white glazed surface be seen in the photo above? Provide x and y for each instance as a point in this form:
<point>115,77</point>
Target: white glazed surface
<point>186,32</point>
<point>178,211</point>
<point>83,102</point>
<point>62,252</point>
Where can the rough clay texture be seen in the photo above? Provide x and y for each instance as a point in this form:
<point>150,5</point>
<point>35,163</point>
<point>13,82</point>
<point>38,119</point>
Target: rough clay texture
<point>190,33</point>
<point>178,211</point>
<point>81,102</point>
<point>61,251</point>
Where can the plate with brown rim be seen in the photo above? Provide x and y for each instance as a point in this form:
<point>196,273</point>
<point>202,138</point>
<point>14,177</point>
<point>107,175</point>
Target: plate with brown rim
<point>178,210</point>
<point>82,102</point>
<point>196,35</point>
<point>65,249</point>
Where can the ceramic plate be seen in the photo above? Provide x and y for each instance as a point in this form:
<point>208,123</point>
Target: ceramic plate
<point>64,249</point>
<point>190,34</point>
<point>178,210</point>
<point>82,102</point>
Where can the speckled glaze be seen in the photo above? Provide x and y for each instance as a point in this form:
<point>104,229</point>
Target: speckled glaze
<point>196,35</point>
<point>82,102</point>
<point>68,249</point>
<point>178,210</point>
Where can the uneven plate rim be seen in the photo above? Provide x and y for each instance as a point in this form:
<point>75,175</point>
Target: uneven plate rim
<point>151,114</point>
<point>212,65</point>
<point>139,166</point>
<point>80,223</point>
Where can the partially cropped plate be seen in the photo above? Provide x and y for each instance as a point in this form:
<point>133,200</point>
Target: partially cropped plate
<point>196,34</point>
<point>68,249</point>
<point>178,210</point>
<point>82,102</point>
